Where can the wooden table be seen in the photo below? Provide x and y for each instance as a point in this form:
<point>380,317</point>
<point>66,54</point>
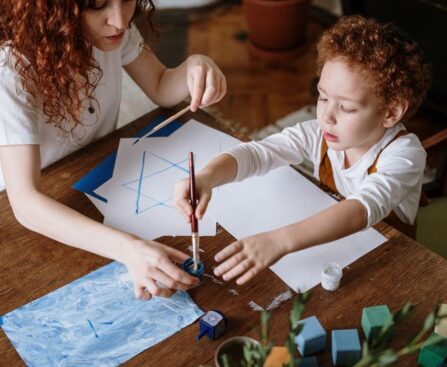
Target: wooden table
<point>31,266</point>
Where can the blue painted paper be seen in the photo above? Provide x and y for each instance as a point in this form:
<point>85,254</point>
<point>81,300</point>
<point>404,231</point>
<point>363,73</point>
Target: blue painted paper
<point>95,321</point>
<point>104,170</point>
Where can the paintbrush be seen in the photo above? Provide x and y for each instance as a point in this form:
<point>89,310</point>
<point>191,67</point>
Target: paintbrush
<point>163,124</point>
<point>194,221</point>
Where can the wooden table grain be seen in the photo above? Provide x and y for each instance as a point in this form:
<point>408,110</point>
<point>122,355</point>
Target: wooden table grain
<point>32,265</point>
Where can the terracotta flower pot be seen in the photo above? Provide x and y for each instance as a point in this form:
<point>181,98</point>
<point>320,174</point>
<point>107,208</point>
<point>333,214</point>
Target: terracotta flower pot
<point>276,26</point>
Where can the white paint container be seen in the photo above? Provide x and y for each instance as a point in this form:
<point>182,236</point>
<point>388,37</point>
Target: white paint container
<point>330,276</point>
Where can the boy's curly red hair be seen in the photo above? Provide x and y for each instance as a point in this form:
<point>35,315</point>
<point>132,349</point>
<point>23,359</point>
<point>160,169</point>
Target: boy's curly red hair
<point>393,62</point>
<point>54,62</point>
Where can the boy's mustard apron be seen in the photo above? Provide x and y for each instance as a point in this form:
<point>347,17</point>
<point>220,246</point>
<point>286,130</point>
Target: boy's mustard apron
<point>327,178</point>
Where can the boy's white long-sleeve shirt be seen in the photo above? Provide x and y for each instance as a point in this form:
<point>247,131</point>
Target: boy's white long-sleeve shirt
<point>395,186</point>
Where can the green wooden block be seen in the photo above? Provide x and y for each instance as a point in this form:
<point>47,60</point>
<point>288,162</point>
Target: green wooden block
<point>433,355</point>
<point>373,319</point>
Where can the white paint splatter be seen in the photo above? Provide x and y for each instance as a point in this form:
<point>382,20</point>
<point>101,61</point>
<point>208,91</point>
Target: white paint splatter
<point>191,250</point>
<point>284,296</point>
<point>214,279</point>
<point>234,292</point>
<point>255,306</point>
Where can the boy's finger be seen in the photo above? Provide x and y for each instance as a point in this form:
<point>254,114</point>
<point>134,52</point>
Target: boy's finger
<point>228,251</point>
<point>248,275</point>
<point>203,205</point>
<point>229,264</point>
<point>185,209</point>
<point>237,269</point>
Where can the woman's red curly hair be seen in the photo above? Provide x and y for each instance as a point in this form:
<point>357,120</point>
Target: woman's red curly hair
<point>54,62</point>
<point>392,61</point>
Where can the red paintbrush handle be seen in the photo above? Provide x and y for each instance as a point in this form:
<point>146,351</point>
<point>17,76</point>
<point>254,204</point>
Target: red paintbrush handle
<point>192,194</point>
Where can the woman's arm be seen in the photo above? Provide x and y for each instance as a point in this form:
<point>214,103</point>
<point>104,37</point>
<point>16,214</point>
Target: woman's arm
<point>198,76</point>
<point>147,261</point>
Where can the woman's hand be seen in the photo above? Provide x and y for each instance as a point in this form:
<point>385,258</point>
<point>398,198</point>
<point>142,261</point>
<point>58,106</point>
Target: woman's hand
<point>182,197</point>
<point>206,82</point>
<point>153,273</point>
<point>246,258</point>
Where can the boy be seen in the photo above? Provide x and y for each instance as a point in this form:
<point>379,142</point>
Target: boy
<point>372,77</point>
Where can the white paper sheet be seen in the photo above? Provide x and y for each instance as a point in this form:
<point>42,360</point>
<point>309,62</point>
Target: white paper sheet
<point>140,196</point>
<point>100,205</point>
<point>279,198</point>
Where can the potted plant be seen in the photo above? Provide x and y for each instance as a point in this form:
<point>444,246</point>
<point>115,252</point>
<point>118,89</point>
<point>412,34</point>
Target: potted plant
<point>277,29</point>
<point>375,353</point>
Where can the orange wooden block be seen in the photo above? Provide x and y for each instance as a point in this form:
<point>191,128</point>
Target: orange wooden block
<point>277,357</point>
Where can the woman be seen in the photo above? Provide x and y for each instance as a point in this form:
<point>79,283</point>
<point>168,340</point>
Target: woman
<point>60,88</point>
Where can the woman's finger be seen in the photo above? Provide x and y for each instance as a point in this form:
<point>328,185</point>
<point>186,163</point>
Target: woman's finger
<point>142,293</point>
<point>156,290</point>
<point>211,88</point>
<point>166,281</point>
<point>176,273</point>
<point>198,86</point>
<point>223,88</point>
<point>173,255</point>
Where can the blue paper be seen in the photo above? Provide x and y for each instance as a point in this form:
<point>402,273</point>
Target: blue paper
<point>95,321</point>
<point>104,170</point>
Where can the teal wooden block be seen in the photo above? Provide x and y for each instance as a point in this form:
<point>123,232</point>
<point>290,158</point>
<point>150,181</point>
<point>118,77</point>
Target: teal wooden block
<point>433,355</point>
<point>346,349</point>
<point>373,319</point>
<point>312,337</point>
<point>308,362</point>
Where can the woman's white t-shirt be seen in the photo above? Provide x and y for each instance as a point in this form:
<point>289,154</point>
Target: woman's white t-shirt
<point>22,123</point>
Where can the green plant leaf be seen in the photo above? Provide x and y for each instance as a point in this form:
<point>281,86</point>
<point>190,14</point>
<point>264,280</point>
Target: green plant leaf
<point>387,357</point>
<point>225,361</point>
<point>429,322</point>
<point>265,321</point>
<point>403,313</point>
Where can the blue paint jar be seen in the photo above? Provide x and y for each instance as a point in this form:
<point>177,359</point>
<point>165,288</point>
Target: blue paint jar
<point>188,266</point>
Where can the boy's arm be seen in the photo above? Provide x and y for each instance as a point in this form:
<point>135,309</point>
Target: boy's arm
<point>247,257</point>
<point>197,76</point>
<point>219,171</point>
<point>338,221</point>
<point>147,261</point>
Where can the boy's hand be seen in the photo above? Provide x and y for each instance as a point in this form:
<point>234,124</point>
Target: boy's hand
<point>206,82</point>
<point>182,197</point>
<point>153,272</point>
<point>247,257</point>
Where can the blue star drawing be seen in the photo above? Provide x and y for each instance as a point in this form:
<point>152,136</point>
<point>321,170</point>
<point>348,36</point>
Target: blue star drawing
<point>163,166</point>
